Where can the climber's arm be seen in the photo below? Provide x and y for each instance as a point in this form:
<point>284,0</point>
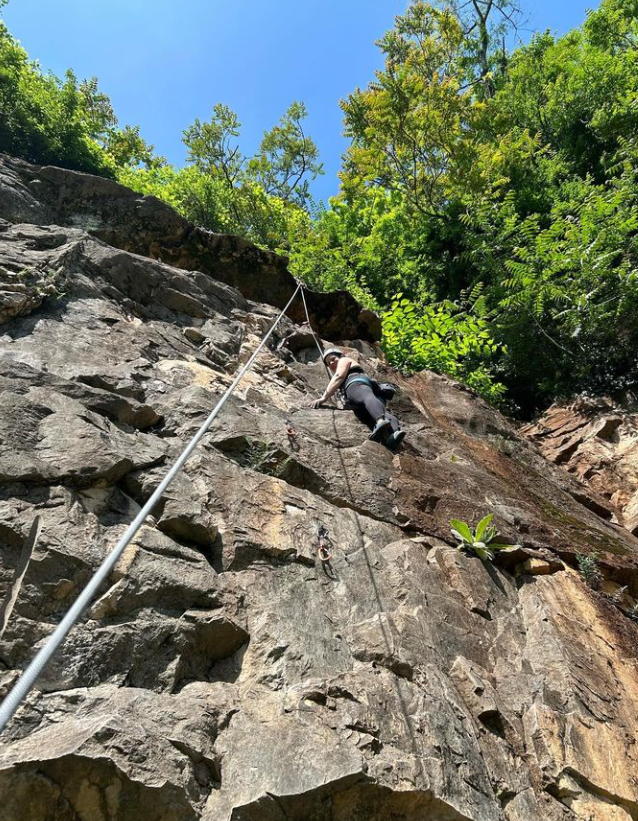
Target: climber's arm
<point>336,382</point>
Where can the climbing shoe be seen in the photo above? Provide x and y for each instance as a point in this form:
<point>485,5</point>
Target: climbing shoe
<point>395,440</point>
<point>380,429</point>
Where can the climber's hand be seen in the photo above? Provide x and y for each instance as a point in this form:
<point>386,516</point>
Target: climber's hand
<point>318,402</point>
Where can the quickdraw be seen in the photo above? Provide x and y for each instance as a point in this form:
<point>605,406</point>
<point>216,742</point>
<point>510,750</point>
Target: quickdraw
<point>325,545</point>
<point>293,436</point>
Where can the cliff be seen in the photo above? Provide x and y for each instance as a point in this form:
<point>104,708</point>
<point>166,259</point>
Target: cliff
<point>222,674</point>
<point>595,439</point>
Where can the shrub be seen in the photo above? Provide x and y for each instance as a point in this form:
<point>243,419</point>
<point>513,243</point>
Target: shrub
<point>453,339</point>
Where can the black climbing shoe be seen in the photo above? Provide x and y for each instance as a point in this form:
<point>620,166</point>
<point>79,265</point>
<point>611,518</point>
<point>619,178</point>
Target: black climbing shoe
<point>395,440</point>
<point>380,430</point>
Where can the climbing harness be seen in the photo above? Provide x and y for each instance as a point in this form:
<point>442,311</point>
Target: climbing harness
<point>42,658</point>
<point>386,390</point>
<point>363,379</point>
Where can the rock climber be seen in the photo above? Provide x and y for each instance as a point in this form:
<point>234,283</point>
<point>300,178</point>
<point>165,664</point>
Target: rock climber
<point>363,396</point>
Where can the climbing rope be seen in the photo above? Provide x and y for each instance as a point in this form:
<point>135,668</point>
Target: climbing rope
<point>317,343</point>
<point>314,335</point>
<point>37,665</point>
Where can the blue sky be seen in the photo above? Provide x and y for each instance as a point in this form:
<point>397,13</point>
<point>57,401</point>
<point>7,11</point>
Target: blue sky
<point>165,62</point>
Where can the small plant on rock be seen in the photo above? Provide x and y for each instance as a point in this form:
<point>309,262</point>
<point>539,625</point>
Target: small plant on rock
<point>589,570</point>
<point>482,541</point>
<point>257,456</point>
<point>633,613</point>
<point>45,283</point>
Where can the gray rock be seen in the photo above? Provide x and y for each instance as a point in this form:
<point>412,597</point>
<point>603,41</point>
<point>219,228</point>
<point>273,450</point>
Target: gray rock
<point>146,226</point>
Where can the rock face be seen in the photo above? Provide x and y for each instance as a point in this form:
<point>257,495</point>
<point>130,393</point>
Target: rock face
<point>596,441</point>
<point>225,673</point>
<point>146,226</point>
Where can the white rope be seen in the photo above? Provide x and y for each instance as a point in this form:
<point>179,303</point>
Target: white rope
<point>314,335</point>
<point>35,668</point>
<point>319,348</point>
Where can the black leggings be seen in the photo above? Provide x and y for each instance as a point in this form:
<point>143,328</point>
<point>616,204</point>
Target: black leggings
<point>367,406</point>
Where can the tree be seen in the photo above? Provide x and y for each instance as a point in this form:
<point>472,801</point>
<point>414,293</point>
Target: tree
<point>407,126</point>
<point>287,159</point>
<point>485,25</point>
<point>64,122</point>
<point>212,147</point>
<point>127,149</point>
<point>260,192</point>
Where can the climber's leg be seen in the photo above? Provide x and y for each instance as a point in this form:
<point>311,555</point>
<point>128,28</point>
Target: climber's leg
<point>362,415</point>
<point>368,407</point>
<point>393,421</point>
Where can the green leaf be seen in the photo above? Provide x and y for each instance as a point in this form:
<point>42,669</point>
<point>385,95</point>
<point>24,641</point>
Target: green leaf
<point>489,534</point>
<point>483,553</point>
<point>482,525</point>
<point>461,530</point>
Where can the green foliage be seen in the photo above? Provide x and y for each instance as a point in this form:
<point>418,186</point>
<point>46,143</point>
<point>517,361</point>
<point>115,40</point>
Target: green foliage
<point>63,122</point>
<point>44,119</point>
<point>46,283</point>
<point>264,198</point>
<point>321,255</point>
<point>258,456</point>
<point>481,541</point>
<point>264,458</point>
<point>211,146</point>
<point>520,176</point>
<point>589,570</point>
<point>127,150</point>
<point>210,203</point>
<point>408,124</point>
<point>454,339</point>
<point>287,159</point>
<point>485,25</point>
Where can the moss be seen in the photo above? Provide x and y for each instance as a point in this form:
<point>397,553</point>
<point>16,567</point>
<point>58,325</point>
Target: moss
<point>597,540</point>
